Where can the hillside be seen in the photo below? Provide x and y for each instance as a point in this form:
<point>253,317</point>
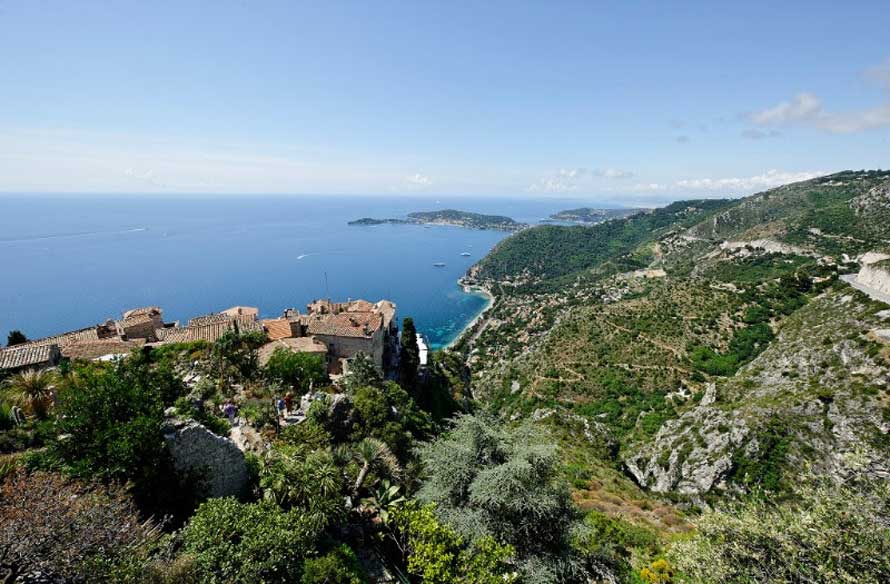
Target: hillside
<point>708,347</point>
<point>593,215</point>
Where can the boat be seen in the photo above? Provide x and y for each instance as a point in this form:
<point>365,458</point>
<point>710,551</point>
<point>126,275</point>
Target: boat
<point>439,264</point>
<point>466,254</point>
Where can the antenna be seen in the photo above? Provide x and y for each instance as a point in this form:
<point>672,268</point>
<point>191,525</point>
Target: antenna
<point>327,291</point>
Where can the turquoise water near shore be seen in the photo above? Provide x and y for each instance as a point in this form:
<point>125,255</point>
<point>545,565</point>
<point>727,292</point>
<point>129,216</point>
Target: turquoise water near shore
<point>72,261</point>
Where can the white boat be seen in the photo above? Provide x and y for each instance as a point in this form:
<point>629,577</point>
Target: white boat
<point>439,264</point>
<point>466,254</point>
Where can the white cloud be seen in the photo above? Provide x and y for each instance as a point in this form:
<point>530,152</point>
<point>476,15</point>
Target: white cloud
<point>419,180</point>
<point>613,173</point>
<point>806,109</point>
<point>757,134</point>
<point>769,179</point>
<point>569,180</point>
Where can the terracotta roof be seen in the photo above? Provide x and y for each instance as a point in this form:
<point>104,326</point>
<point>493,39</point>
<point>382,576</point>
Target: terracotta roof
<point>242,311</point>
<point>208,332</point>
<point>277,328</point>
<point>209,319</point>
<point>27,355</point>
<point>88,350</point>
<point>295,344</point>
<point>359,306</point>
<point>353,324</point>
<point>145,310</point>
<point>87,334</point>
<point>135,319</point>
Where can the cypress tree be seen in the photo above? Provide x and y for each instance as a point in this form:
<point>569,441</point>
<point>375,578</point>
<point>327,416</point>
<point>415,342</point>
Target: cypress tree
<point>409,359</point>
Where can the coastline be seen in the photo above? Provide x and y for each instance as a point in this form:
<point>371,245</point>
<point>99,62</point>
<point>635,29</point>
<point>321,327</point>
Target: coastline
<point>471,325</point>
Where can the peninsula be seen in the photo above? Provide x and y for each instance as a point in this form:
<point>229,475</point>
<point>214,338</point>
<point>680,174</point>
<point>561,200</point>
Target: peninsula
<point>449,217</point>
<point>591,215</point>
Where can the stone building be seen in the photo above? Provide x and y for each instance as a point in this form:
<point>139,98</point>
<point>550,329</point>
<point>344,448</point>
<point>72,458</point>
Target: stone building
<point>29,356</point>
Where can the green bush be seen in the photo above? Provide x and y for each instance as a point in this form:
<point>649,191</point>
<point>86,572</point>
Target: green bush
<point>296,370</point>
<point>249,542</point>
<point>830,532</point>
<point>338,566</point>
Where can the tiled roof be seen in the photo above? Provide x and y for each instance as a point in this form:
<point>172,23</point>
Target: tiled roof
<point>296,344</point>
<point>208,332</point>
<point>277,328</point>
<point>88,350</point>
<point>135,319</point>
<point>209,319</point>
<point>87,334</point>
<point>354,324</point>
<point>27,355</point>
<point>145,310</point>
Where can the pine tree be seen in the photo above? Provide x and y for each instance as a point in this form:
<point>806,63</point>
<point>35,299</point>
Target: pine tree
<point>16,338</point>
<point>409,359</point>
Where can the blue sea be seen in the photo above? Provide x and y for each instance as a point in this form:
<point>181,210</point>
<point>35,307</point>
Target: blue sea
<point>68,262</point>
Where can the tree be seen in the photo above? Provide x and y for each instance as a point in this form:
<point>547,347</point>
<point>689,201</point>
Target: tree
<point>436,554</point>
<point>362,373</point>
<point>491,481</point>
<point>236,353</point>
<point>373,454</point>
<point>409,354</point>
<point>70,530</point>
<point>310,482</point>
<point>389,414</point>
<point>250,542</point>
<point>15,337</point>
<point>32,390</point>
<point>297,370</point>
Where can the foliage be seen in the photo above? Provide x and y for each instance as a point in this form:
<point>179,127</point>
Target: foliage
<point>31,389</point>
<point>658,572</point>
<point>384,499</point>
<point>373,454</point>
<point>235,353</point>
<point>299,371</point>
<point>309,482</point>
<point>109,420</point>
<point>487,480</point>
<point>409,354</point>
<point>16,337</point>
<point>438,555</point>
<point>830,532</point>
<point>70,530</point>
<point>250,542</point>
<point>362,373</point>
<point>188,408</point>
<point>389,414</point>
<point>338,566</point>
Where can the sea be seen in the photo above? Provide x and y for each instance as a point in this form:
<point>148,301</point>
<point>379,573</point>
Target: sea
<point>71,261</point>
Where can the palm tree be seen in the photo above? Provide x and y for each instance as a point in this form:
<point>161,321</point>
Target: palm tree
<point>32,390</point>
<point>372,453</point>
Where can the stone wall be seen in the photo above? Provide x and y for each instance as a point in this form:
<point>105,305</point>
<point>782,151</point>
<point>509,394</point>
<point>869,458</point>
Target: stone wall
<point>216,461</point>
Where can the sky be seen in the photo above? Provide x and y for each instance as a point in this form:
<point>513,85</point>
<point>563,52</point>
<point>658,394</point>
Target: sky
<point>623,101</point>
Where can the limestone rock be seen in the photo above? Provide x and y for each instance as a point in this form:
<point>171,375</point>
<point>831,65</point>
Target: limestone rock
<point>198,452</point>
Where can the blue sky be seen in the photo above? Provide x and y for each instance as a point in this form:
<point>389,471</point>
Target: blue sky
<point>625,101</point>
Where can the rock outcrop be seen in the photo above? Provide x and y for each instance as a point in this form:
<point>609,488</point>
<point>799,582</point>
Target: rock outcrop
<point>199,454</point>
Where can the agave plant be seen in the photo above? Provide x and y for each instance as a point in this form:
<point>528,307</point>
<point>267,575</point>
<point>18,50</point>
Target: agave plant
<point>32,390</point>
<point>383,499</point>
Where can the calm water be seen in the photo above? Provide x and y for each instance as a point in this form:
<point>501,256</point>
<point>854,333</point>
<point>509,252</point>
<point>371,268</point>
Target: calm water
<point>69,262</point>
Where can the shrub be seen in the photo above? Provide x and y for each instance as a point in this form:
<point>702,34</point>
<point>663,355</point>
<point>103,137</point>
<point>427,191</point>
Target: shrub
<point>299,371</point>
<point>830,532</point>
<point>338,566</point>
<point>249,542</point>
<point>70,530</point>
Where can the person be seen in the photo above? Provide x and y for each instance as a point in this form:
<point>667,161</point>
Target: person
<point>288,401</point>
<point>280,405</point>
<point>230,410</point>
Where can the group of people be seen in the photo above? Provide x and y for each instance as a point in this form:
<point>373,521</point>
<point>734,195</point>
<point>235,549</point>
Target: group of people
<point>284,405</point>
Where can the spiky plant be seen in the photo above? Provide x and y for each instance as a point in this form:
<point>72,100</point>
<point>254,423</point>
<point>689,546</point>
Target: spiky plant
<point>31,390</point>
<point>370,454</point>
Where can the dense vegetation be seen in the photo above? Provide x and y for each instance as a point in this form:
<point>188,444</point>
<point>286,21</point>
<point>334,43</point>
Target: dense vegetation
<point>640,404</point>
